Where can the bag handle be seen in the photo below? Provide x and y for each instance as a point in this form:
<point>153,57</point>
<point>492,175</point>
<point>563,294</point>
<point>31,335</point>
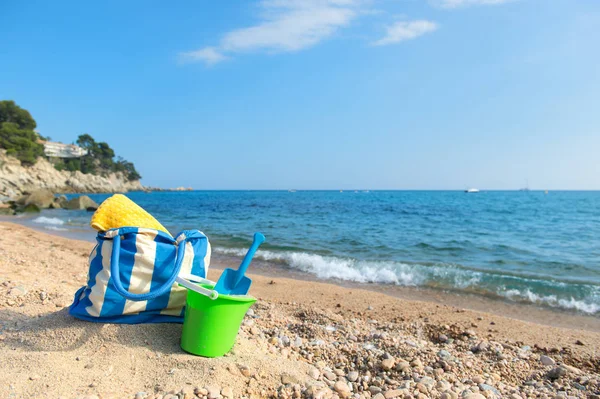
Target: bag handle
<point>115,273</point>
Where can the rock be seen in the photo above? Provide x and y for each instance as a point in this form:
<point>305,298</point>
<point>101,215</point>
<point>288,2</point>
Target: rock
<point>352,376</point>
<point>59,202</point>
<point>314,373</point>
<point>428,382</point>
<point>342,388</point>
<point>81,202</point>
<point>403,366</point>
<point>474,396</point>
<point>245,370</point>
<point>444,354</point>
<point>486,387</point>
<point>200,391</point>
<point>480,347</point>
<point>478,379</point>
<point>329,375</point>
<point>392,393</point>
<point>374,390</point>
<point>140,395</point>
<point>557,372</point>
<point>547,360</point>
<point>289,379</point>
<point>227,392</point>
<point>41,198</point>
<point>379,396</point>
<point>214,391</point>
<point>443,338</point>
<point>388,364</point>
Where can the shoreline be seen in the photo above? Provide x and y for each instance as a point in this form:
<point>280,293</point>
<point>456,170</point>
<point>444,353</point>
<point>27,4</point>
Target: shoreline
<point>302,339</point>
<point>544,315</point>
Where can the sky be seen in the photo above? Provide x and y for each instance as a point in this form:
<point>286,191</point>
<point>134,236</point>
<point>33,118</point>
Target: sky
<point>318,94</point>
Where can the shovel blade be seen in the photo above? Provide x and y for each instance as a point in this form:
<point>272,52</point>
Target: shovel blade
<point>227,283</point>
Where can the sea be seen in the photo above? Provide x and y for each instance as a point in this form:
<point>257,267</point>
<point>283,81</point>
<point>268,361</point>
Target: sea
<point>530,247</point>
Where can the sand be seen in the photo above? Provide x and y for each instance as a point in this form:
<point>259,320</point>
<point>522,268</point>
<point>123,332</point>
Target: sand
<point>46,353</point>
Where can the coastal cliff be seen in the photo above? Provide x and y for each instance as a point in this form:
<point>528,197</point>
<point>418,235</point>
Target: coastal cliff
<point>17,179</point>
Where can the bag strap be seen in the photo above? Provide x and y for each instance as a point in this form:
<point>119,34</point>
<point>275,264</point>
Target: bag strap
<point>115,273</point>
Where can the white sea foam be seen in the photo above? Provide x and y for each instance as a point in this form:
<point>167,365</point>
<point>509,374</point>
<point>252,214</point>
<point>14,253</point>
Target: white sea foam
<point>55,228</point>
<point>440,276</point>
<point>551,300</point>
<point>47,220</point>
<point>329,267</point>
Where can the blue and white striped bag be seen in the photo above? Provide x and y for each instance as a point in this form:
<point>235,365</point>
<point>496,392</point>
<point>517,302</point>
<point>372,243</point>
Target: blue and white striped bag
<point>132,272</point>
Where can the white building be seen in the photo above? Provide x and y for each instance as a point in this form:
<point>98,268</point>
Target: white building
<point>60,150</point>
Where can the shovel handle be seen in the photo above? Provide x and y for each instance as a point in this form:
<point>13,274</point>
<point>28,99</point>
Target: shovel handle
<point>258,239</point>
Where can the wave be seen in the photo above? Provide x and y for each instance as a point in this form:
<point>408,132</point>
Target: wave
<point>552,301</point>
<point>47,220</point>
<point>55,228</point>
<point>448,277</point>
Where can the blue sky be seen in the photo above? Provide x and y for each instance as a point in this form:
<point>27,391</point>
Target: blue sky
<point>323,94</point>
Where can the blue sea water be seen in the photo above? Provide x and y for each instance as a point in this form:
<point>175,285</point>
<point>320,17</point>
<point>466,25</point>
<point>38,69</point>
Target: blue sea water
<point>528,247</point>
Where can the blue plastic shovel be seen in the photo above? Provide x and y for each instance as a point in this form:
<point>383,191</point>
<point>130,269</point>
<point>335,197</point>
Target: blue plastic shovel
<point>233,282</point>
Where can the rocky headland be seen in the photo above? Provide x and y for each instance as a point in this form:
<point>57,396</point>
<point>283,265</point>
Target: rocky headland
<point>17,180</point>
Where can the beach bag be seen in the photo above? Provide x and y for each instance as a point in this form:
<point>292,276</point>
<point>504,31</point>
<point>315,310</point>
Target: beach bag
<point>132,272</point>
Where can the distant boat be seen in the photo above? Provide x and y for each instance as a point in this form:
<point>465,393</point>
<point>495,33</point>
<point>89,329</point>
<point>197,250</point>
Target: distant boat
<point>472,190</point>
<point>526,188</point>
<point>292,191</point>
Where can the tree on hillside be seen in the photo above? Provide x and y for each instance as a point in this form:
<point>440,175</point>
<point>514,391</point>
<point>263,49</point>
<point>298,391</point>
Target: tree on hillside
<point>11,112</point>
<point>100,159</point>
<point>16,133</point>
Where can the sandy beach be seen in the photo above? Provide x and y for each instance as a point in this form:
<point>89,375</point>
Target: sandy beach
<point>301,339</point>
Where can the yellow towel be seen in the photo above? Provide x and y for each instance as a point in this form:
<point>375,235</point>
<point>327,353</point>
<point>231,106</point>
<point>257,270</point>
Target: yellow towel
<point>119,211</point>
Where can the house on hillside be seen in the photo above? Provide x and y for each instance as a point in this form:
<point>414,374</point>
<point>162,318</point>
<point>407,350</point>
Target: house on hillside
<point>60,150</point>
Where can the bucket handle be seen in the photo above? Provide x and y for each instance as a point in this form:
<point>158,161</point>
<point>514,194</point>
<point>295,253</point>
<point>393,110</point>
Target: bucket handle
<point>212,294</point>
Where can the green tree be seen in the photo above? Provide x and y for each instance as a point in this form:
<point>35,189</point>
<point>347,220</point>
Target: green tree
<point>11,112</point>
<point>20,143</point>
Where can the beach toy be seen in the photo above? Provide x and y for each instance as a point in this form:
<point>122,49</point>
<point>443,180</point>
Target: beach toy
<point>233,282</point>
<point>119,211</point>
<point>210,326</point>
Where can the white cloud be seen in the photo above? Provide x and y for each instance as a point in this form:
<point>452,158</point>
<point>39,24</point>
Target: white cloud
<point>465,3</point>
<point>208,55</point>
<point>406,30</point>
<point>286,26</point>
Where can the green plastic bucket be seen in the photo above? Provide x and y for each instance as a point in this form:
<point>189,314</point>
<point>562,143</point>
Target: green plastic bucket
<point>211,326</point>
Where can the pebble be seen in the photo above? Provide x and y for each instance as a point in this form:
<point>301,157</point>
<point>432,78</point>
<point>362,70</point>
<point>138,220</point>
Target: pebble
<point>478,379</point>
<point>374,390</point>
<point>557,372</point>
<point>474,396</point>
<point>250,312</point>
<point>227,392</point>
<point>392,393</point>
<point>314,373</point>
<point>329,375</point>
<point>388,364</point>
<point>289,379</point>
<point>245,370</point>
<point>547,360</point>
<point>214,391</point>
<point>352,376</point>
<point>342,388</point>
